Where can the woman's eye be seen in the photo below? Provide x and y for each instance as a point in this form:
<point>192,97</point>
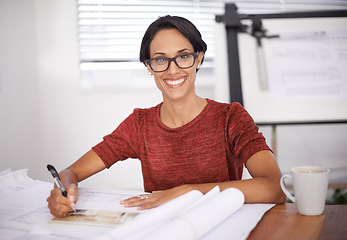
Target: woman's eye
<point>160,60</point>
<point>183,56</point>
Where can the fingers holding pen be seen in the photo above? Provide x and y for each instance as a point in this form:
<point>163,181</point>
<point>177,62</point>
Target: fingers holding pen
<point>59,205</point>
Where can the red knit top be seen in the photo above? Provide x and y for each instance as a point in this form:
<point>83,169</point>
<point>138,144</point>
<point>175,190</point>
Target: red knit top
<point>211,148</point>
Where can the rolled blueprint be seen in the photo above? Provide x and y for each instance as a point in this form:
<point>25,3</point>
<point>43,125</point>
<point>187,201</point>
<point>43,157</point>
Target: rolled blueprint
<point>200,219</point>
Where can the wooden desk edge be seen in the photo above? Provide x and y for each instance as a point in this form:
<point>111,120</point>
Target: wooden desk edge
<point>283,219</point>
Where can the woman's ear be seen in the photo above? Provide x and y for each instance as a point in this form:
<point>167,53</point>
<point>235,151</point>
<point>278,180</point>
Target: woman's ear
<point>150,72</point>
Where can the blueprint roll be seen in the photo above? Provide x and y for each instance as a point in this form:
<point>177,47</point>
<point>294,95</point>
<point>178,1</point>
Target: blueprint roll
<point>200,219</point>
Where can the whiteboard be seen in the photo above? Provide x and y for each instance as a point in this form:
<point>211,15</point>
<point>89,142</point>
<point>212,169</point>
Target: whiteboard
<point>305,69</point>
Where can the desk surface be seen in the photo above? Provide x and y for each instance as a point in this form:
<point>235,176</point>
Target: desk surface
<point>283,222</point>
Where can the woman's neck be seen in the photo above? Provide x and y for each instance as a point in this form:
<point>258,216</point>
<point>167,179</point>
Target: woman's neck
<point>175,114</point>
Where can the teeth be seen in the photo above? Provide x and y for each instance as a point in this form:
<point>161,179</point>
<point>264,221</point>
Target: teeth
<point>175,82</point>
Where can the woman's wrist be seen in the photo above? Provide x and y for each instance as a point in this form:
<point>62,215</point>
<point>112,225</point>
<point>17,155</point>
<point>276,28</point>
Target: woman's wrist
<point>68,178</point>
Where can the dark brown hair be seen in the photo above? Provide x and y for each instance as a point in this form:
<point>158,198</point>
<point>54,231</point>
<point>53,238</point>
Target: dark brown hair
<point>183,25</point>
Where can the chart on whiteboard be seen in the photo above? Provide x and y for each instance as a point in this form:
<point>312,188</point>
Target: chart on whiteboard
<point>307,65</point>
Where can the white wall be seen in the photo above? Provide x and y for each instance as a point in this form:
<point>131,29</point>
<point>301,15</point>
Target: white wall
<point>19,118</point>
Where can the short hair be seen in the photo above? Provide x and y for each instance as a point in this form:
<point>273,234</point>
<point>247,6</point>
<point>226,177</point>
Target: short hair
<point>183,25</point>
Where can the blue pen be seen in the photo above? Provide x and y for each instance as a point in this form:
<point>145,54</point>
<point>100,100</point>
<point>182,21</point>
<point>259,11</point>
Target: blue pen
<point>57,181</point>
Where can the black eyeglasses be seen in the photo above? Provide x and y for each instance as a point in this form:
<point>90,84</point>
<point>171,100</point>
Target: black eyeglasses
<point>182,61</point>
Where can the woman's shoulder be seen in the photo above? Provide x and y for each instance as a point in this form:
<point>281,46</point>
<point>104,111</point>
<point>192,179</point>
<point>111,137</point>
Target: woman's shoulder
<point>231,112</point>
<point>221,106</point>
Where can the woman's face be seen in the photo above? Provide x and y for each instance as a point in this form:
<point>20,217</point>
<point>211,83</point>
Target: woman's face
<point>174,83</point>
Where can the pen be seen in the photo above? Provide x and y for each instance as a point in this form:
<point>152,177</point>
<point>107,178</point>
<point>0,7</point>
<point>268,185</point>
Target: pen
<point>57,181</point>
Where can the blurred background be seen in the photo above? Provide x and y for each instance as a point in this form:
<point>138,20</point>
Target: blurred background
<point>65,82</point>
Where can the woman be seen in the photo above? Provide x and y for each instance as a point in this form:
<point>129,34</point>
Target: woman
<point>184,143</point>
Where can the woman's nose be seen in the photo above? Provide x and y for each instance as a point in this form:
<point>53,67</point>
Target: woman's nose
<point>173,68</point>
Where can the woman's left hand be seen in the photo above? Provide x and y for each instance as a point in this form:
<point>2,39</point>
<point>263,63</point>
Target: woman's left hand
<point>156,198</point>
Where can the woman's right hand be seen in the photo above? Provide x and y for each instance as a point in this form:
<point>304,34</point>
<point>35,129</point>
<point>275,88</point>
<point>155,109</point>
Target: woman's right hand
<point>89,164</point>
<point>59,205</point>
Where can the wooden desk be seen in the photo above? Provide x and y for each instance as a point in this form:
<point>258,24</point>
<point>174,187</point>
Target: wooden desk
<point>284,223</point>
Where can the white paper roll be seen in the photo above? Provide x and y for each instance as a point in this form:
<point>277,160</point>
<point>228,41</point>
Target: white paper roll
<point>200,219</point>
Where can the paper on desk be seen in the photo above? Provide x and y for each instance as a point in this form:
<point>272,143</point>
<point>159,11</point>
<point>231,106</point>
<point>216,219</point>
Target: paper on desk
<point>240,224</point>
<point>101,199</point>
<point>89,199</point>
<point>23,206</point>
<point>93,217</point>
<point>22,201</point>
<point>14,182</point>
<point>10,234</point>
<point>4,172</point>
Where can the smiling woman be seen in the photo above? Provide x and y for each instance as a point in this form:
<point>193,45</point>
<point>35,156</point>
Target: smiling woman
<point>184,143</point>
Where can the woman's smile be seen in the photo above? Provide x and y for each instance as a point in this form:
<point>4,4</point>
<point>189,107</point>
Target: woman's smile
<point>175,83</point>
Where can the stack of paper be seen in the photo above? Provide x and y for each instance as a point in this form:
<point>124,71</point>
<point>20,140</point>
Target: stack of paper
<point>24,213</point>
<point>22,203</point>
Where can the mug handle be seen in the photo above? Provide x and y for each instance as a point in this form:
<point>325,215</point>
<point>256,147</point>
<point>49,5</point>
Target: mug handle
<point>284,189</point>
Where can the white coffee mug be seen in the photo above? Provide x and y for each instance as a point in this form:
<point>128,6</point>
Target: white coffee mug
<point>310,185</point>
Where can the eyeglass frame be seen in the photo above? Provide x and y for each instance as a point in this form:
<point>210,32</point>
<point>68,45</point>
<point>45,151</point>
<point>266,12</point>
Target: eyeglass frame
<point>194,54</point>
